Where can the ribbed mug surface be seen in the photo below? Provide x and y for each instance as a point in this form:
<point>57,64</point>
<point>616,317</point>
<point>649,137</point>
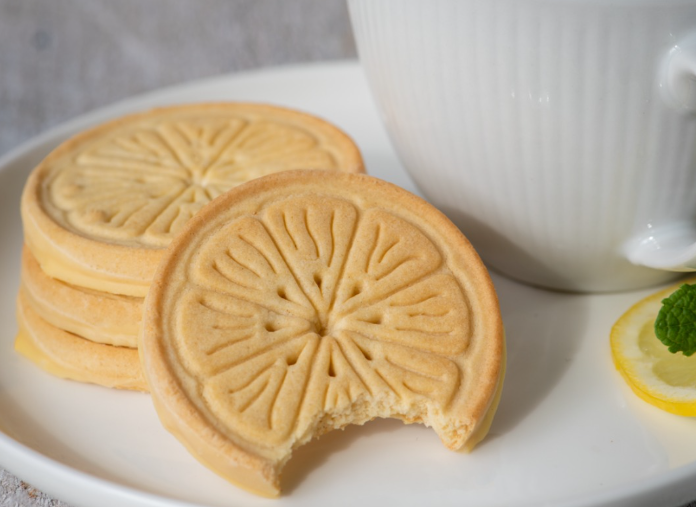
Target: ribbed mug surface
<point>538,126</point>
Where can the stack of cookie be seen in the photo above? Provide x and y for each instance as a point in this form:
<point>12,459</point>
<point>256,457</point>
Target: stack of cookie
<point>101,209</point>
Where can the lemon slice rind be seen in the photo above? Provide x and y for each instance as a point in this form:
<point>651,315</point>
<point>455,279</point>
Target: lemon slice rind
<point>637,365</point>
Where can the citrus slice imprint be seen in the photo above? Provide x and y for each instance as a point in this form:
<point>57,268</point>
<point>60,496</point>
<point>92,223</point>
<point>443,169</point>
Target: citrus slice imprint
<point>304,301</point>
<point>99,210</point>
<point>656,375</point>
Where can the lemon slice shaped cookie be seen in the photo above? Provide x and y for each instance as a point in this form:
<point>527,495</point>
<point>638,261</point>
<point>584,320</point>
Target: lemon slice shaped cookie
<point>69,356</point>
<point>309,300</point>
<point>101,317</point>
<point>99,210</point>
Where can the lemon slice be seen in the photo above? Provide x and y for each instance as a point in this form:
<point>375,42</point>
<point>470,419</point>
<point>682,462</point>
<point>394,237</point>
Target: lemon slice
<point>658,376</point>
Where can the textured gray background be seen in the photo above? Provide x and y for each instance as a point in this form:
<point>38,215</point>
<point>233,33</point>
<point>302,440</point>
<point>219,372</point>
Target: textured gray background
<point>61,58</point>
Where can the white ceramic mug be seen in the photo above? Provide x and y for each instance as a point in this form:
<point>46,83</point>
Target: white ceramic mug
<point>560,135</point>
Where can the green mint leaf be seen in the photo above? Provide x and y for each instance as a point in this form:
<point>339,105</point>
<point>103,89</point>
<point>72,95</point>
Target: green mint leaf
<point>675,325</point>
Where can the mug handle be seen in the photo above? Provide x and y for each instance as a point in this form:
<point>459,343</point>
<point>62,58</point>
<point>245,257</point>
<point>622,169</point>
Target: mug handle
<point>672,247</point>
<point>678,76</point>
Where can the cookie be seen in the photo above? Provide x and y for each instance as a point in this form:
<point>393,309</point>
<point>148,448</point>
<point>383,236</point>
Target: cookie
<point>305,301</point>
<point>69,356</point>
<point>97,316</point>
<point>99,211</point>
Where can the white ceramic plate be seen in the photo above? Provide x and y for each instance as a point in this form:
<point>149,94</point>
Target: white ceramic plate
<point>568,431</point>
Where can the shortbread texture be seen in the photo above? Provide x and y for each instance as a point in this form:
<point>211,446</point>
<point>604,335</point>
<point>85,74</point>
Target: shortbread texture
<point>101,208</point>
<point>305,301</point>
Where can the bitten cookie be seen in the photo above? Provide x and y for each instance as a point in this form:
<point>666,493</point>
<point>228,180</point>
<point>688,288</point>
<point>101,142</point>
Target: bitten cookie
<point>305,301</point>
